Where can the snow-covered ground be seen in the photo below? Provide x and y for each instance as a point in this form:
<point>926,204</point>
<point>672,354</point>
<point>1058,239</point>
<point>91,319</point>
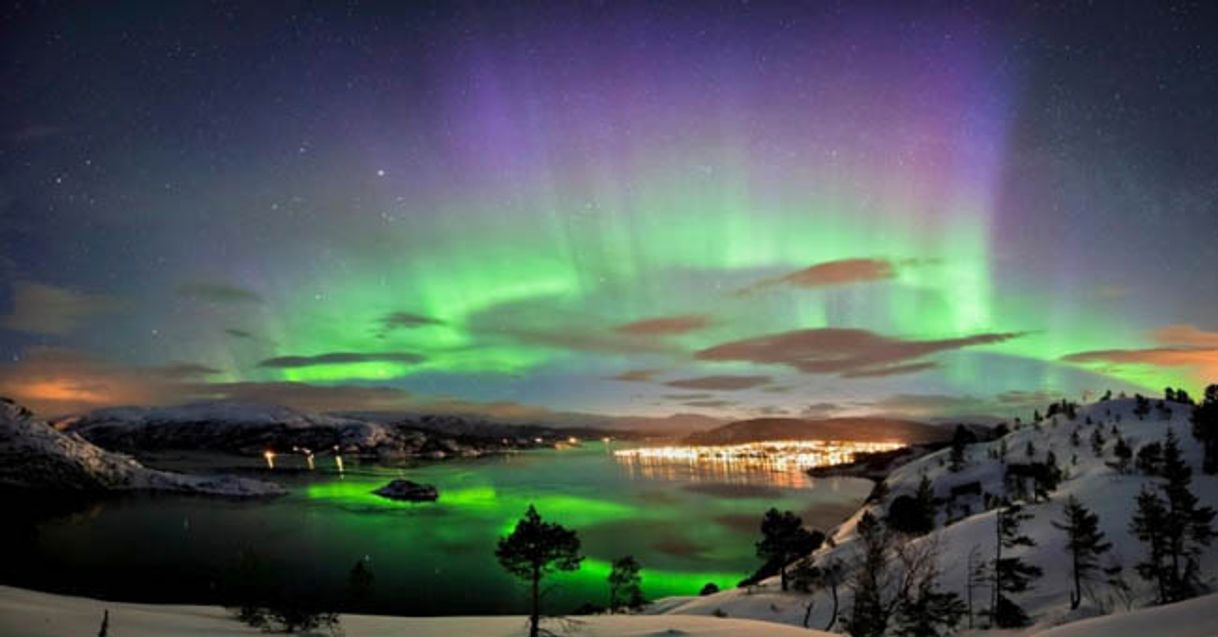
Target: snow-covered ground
<point>33,455</point>
<point>29,614</point>
<point>1101,488</point>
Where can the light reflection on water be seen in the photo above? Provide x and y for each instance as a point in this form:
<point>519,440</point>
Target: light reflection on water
<point>778,463</point>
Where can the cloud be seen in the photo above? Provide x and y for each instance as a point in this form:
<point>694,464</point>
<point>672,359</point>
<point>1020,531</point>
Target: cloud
<point>46,309</point>
<point>820,410</point>
<point>830,273</point>
<point>1186,335</point>
<point>1180,346</point>
<point>303,396</point>
<point>719,382</point>
<point>56,381</point>
<point>931,406</point>
<point>665,325</point>
<point>236,333</point>
<point>712,404</point>
<point>183,371</point>
<point>218,293</point>
<point>680,397</point>
<point>341,358</point>
<point>846,352</point>
<point>636,375</point>
<point>405,320</point>
<point>891,370</point>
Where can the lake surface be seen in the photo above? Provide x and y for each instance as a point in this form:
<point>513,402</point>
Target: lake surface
<point>687,524</point>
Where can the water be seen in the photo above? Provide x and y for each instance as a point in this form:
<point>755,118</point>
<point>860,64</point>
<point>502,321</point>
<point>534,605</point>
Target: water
<point>686,526</point>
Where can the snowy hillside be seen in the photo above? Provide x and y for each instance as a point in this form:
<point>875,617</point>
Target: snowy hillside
<point>966,522</point>
<point>31,614</point>
<point>242,428</point>
<point>33,455</point>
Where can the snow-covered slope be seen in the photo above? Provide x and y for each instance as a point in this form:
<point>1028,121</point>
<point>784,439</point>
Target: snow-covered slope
<point>29,614</point>
<point>1106,491</point>
<point>35,456</point>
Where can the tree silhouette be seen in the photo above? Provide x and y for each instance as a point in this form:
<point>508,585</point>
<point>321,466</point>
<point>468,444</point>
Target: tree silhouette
<point>625,584</point>
<point>1085,543</point>
<point>535,549</point>
<point>783,540</point>
<point>1205,428</point>
<point>1011,574</point>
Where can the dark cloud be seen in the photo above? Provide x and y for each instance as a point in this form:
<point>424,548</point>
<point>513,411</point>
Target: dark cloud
<point>636,375</point>
<point>340,358</point>
<point>891,370</point>
<point>719,382</point>
<point>46,309</point>
<point>666,325</point>
<point>184,371</point>
<point>303,396</point>
<point>1180,346</point>
<point>710,404</point>
<point>218,293</point>
<point>830,273</point>
<point>820,410</point>
<point>686,396</point>
<point>846,352</point>
<point>236,333</point>
<point>406,320</point>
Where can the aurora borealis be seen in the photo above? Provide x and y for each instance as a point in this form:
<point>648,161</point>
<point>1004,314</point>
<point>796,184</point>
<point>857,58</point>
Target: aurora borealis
<point>621,208</point>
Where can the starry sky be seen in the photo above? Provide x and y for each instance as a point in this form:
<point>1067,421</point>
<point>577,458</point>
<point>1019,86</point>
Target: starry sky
<point>528,209</point>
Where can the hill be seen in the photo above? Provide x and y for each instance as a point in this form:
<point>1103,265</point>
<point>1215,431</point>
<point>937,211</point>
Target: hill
<point>34,456</point>
<point>966,518</point>
<point>859,429</point>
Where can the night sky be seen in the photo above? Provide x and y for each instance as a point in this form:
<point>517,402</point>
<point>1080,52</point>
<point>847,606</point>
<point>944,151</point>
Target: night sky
<point>622,208</point>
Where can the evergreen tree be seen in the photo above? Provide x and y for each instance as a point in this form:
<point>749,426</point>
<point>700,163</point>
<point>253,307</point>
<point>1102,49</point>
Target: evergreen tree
<point>1147,524</point>
<point>1011,574</point>
<point>783,540</point>
<point>1085,543</point>
<point>870,615</point>
<point>1123,453</point>
<point>359,584</point>
<point>625,584</point>
<point>1188,527</point>
<point>1150,459</point>
<point>929,611</point>
<point>961,438</point>
<point>1097,442</point>
<point>535,549</point>
<point>1205,428</point>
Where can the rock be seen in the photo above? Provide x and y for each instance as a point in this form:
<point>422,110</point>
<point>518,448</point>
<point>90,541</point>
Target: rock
<point>408,490</point>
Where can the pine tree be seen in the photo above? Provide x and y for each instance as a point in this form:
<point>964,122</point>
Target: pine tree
<point>359,584</point>
<point>1085,543</point>
<point>625,584</point>
<point>870,615</point>
<point>1124,453</point>
<point>1205,428</point>
<point>534,550</point>
<point>977,575</point>
<point>929,611</point>
<point>1097,442</point>
<point>960,440</point>
<point>1147,525</point>
<point>783,540</point>
<point>1188,526</point>
<point>1011,574</point>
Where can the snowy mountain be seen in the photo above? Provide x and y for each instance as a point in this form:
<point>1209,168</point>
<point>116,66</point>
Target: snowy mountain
<point>966,520</point>
<point>33,455</point>
<point>241,428</point>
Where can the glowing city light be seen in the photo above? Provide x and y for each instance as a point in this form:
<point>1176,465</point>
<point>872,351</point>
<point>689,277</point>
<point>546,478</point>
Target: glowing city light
<point>788,458</point>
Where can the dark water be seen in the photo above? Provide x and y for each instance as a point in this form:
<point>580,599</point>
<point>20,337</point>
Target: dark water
<point>687,525</point>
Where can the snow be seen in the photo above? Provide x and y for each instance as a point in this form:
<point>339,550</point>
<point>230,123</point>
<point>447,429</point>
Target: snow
<point>34,455</point>
<point>1105,491</point>
<point>30,614</point>
<point>1191,618</point>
